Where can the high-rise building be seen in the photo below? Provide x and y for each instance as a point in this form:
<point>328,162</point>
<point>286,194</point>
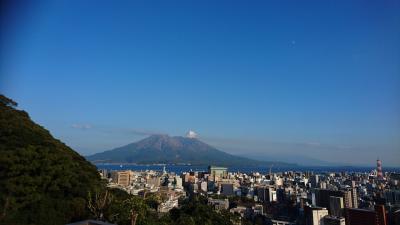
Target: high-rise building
<point>315,215</point>
<point>366,217</point>
<point>314,180</point>
<point>266,193</point>
<point>392,196</point>
<point>178,182</point>
<point>153,181</point>
<point>280,195</point>
<point>347,198</point>
<point>332,220</point>
<point>217,173</point>
<point>379,173</point>
<point>203,186</point>
<point>322,197</point>
<point>360,217</point>
<point>189,177</point>
<point>354,195</point>
<point>227,189</point>
<point>122,178</point>
<point>258,209</point>
<point>336,206</point>
<point>396,217</point>
<point>272,195</point>
<point>262,193</point>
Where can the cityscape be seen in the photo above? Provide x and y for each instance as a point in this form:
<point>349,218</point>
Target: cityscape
<point>212,112</point>
<point>285,198</point>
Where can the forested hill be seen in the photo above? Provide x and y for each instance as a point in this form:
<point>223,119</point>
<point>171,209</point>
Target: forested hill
<point>42,181</point>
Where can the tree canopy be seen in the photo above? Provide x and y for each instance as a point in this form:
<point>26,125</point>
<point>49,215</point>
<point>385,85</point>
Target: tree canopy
<point>42,181</point>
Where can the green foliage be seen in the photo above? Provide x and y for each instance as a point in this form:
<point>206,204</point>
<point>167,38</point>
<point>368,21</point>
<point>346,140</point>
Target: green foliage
<point>42,181</point>
<point>192,211</point>
<point>121,209</point>
<point>196,211</point>
<point>153,200</point>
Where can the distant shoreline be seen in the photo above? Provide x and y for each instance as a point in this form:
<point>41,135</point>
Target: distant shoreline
<point>246,169</point>
<point>189,164</point>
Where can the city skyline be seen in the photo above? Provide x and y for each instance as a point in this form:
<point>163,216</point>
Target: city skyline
<point>314,79</point>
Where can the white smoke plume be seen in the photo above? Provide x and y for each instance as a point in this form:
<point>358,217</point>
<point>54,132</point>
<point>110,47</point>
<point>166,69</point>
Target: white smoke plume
<point>191,134</point>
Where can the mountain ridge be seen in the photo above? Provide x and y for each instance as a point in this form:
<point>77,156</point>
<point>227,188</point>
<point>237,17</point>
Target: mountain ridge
<point>162,148</point>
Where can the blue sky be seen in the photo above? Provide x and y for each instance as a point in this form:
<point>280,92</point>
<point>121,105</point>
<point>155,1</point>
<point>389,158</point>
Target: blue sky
<point>314,78</point>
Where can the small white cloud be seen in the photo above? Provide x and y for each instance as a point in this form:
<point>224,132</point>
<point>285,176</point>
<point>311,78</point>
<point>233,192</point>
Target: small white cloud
<point>81,126</point>
<point>191,134</point>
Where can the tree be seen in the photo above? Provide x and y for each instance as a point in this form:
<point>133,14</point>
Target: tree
<point>137,208</point>
<point>98,202</point>
<point>185,220</point>
<point>153,200</point>
<point>7,101</point>
<point>132,210</point>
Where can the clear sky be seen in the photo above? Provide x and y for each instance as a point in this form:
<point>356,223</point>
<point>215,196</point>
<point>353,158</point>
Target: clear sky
<point>319,79</point>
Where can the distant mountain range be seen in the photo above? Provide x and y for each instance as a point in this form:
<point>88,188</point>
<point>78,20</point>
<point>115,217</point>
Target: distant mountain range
<point>175,150</point>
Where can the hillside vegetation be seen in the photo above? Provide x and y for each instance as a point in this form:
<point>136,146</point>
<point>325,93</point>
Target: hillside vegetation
<point>42,181</point>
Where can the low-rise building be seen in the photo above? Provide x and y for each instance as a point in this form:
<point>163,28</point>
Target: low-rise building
<point>219,204</point>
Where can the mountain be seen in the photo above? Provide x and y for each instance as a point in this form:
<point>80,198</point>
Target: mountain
<point>42,181</point>
<point>170,150</point>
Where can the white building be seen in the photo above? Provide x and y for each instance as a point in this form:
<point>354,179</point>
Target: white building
<point>280,222</point>
<point>168,205</point>
<point>317,215</point>
<point>178,182</point>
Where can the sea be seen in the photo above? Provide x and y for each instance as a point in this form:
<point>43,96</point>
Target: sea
<point>179,169</point>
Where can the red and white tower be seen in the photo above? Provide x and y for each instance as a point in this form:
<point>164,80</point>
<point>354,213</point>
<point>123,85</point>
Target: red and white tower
<point>379,173</point>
